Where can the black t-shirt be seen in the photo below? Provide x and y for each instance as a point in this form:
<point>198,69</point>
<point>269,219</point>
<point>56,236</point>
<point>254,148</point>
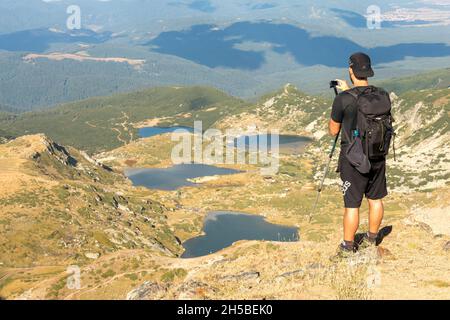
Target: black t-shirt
<point>344,112</point>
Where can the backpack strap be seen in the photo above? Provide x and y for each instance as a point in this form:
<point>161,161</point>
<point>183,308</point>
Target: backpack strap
<point>355,95</point>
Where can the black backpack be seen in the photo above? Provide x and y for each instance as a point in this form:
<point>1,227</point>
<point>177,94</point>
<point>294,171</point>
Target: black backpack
<point>373,123</point>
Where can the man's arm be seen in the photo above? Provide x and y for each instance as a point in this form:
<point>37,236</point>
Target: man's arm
<point>337,115</point>
<point>334,127</point>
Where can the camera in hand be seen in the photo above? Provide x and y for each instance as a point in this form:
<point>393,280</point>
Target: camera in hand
<point>334,84</point>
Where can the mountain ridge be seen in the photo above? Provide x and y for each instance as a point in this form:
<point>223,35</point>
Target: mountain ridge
<point>73,206</point>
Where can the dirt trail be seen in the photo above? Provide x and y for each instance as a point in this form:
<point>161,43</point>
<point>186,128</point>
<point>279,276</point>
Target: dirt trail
<point>90,124</point>
<point>125,127</point>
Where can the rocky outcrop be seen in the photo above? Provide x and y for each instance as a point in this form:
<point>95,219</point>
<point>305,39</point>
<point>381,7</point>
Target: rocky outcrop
<point>295,273</point>
<point>189,290</point>
<point>194,290</point>
<point>60,153</point>
<point>243,276</point>
<point>149,290</point>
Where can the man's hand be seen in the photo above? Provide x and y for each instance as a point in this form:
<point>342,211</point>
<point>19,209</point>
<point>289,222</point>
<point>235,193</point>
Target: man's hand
<point>342,85</point>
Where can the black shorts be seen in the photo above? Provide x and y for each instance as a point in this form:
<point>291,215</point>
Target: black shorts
<point>355,184</point>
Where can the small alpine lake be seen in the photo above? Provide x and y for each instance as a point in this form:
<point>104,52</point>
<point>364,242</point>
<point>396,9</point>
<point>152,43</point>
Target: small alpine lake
<point>175,177</point>
<point>147,132</point>
<point>288,144</point>
<point>223,228</point>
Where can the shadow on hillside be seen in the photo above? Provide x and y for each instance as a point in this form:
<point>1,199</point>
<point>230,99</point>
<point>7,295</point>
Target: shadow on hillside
<point>384,232</point>
<point>212,46</point>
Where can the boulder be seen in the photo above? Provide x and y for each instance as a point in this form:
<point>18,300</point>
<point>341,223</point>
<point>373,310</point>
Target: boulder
<point>291,274</point>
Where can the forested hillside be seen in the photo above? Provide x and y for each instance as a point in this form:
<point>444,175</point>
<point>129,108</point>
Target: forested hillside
<point>103,123</point>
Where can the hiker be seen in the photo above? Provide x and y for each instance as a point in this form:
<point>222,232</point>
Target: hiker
<point>363,115</point>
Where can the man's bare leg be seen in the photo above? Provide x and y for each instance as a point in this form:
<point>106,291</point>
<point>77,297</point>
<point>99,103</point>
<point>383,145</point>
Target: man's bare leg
<point>351,223</point>
<point>376,213</point>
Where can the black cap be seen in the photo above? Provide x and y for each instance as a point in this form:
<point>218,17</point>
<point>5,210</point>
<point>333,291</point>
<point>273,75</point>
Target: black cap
<point>361,65</point>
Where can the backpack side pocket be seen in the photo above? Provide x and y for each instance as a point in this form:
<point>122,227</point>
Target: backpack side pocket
<point>356,156</point>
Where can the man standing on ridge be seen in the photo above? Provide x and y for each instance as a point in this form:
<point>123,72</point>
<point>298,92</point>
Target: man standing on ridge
<point>347,110</point>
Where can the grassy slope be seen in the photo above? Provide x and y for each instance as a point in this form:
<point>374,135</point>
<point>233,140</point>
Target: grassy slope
<point>288,110</point>
<point>4,115</point>
<point>104,123</point>
<point>7,110</point>
<point>423,139</point>
<point>430,80</point>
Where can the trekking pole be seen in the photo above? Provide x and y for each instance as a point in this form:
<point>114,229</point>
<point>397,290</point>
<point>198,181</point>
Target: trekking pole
<point>333,149</point>
<point>319,191</point>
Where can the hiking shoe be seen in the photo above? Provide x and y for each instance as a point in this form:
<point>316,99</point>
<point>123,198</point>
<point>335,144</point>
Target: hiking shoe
<point>342,254</point>
<point>366,243</point>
